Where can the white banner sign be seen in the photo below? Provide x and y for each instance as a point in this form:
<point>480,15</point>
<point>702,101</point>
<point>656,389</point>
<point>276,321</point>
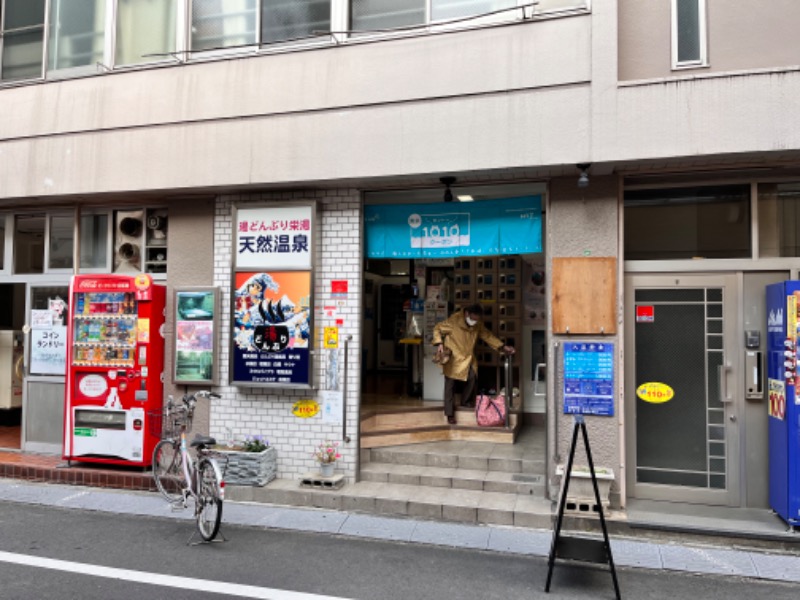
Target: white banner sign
<point>274,237</point>
<point>49,351</point>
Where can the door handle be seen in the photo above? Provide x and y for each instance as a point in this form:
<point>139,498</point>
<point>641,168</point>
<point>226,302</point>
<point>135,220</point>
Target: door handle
<point>722,374</point>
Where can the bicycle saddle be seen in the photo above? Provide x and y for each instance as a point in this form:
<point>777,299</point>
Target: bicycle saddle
<point>201,441</point>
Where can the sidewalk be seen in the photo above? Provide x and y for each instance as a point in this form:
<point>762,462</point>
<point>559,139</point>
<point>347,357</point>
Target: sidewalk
<point>628,552</point>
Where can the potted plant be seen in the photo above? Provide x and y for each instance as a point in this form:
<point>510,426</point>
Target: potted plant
<point>249,462</point>
<point>326,454</point>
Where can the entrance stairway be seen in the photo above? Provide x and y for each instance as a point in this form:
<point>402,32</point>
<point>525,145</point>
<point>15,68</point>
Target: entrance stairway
<point>460,481</point>
<point>390,426</point>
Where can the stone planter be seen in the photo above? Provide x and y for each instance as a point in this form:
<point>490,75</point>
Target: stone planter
<point>581,491</point>
<point>250,468</point>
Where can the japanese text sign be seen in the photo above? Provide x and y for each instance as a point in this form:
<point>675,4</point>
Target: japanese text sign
<point>274,237</point>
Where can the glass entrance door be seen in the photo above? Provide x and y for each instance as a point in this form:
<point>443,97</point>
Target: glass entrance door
<point>681,380</point>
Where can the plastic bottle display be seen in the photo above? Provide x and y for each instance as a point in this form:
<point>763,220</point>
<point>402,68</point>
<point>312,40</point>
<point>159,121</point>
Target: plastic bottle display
<point>105,329</point>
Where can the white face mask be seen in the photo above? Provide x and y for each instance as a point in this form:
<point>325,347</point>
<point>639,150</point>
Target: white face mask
<point>471,322</point>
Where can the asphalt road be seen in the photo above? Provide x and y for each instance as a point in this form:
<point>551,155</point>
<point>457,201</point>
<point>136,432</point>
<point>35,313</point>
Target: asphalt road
<point>54,553</point>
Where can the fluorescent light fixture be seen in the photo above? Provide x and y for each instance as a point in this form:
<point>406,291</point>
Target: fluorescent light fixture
<point>465,198</point>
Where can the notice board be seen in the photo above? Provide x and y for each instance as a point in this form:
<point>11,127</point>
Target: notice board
<point>584,296</point>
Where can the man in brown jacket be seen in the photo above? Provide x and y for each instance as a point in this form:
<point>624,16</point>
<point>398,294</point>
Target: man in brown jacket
<point>459,334</point>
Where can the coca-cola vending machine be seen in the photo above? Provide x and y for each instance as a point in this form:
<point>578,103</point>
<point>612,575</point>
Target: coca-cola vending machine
<point>115,365</point>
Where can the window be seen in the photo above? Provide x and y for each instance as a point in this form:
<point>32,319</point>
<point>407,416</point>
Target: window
<point>370,15</point>
<point>685,223</point>
<point>22,39</point>
<point>76,34</point>
<point>2,242</point>
<point>779,220</point>
<point>145,30</point>
<point>689,33</point>
<point>283,20</point>
<point>61,236</point>
<point>94,241</point>
<point>223,23</point>
<point>29,243</point>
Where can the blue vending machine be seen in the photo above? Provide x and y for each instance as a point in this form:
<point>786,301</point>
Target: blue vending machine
<point>784,402</point>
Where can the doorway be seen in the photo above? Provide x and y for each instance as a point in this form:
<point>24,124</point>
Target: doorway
<point>683,389</point>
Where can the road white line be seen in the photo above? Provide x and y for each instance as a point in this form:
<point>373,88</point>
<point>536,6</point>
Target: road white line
<point>185,583</point>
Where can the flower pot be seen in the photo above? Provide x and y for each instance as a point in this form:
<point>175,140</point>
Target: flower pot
<point>250,468</point>
<point>326,469</point>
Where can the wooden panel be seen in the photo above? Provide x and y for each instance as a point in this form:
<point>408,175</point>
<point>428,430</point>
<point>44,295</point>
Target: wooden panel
<point>584,295</point>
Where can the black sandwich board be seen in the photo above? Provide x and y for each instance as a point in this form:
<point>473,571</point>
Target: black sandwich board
<point>578,548</point>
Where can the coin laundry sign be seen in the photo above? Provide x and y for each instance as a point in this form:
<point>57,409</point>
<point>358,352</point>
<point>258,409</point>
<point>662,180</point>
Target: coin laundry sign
<point>655,392</point>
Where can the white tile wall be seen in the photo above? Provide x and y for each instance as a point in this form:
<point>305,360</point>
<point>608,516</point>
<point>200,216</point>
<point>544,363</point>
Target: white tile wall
<point>266,411</point>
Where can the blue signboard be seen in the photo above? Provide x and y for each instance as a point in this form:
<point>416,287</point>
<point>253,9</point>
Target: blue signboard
<point>489,227</point>
<point>589,378</point>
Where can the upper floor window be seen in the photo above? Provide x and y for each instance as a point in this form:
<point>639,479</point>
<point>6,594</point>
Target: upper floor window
<point>686,223</point>
<point>21,39</point>
<point>371,15</point>
<point>689,47</point>
<point>227,23</point>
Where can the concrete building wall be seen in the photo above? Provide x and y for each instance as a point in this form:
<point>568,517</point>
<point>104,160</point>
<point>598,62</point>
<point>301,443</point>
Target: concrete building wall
<point>246,411</point>
<point>582,222</point>
<point>497,97</point>
<point>739,38</point>
<point>191,263</point>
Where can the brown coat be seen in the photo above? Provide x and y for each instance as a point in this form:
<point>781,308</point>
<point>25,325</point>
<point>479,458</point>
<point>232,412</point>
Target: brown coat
<point>460,338</point>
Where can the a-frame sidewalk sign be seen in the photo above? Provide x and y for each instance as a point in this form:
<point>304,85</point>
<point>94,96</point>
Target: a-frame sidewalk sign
<point>579,548</point>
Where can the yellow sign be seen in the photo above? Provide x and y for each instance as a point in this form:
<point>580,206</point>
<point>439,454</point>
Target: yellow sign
<point>143,331</point>
<point>791,317</point>
<point>655,392</point>
<point>305,409</point>
<point>331,337</point>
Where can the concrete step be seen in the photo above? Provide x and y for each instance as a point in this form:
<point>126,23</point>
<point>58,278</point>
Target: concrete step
<point>441,504</point>
<point>456,478</point>
<point>416,418</point>
<point>471,457</point>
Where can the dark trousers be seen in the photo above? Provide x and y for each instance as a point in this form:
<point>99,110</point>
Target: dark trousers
<point>467,394</point>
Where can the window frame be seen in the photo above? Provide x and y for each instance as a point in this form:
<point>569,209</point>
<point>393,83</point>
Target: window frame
<point>702,21</point>
<point>3,32</point>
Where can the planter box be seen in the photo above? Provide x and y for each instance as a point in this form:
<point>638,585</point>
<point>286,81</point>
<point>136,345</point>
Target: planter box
<point>250,468</point>
<point>581,491</point>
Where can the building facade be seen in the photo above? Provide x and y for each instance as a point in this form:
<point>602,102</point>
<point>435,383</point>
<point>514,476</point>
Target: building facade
<point>681,111</point>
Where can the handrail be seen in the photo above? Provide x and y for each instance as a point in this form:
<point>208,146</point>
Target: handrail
<point>509,387</point>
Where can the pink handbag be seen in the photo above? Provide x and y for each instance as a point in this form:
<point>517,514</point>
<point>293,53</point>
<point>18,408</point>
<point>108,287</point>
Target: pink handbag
<point>490,411</point>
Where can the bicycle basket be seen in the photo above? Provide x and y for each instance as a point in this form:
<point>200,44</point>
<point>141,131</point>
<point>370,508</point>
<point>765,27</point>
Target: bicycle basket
<point>167,424</point>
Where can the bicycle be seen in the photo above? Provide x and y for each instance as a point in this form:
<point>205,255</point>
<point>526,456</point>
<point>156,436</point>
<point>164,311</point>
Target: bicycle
<point>179,476</point>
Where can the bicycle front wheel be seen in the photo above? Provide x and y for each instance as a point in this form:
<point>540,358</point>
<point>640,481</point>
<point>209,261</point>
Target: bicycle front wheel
<point>167,470</point>
<point>209,500</point>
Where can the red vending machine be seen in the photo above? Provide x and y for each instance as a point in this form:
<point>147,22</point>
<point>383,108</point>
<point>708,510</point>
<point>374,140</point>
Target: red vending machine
<point>115,365</point>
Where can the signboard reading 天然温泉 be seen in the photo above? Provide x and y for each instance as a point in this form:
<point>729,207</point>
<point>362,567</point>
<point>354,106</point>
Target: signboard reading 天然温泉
<point>271,325</point>
<point>274,238</point>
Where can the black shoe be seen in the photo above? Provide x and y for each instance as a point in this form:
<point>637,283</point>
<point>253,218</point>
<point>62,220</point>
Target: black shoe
<point>468,404</point>
<point>451,420</point>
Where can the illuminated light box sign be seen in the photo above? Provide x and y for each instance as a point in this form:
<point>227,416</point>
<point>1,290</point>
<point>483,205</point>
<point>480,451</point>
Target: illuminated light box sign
<point>589,378</point>
<point>277,237</point>
<point>489,227</point>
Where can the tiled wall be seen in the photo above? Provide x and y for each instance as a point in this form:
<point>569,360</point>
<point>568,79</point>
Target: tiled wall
<point>268,411</point>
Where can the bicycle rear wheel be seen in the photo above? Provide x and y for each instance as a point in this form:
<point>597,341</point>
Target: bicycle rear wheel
<point>167,469</point>
<point>209,500</point>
